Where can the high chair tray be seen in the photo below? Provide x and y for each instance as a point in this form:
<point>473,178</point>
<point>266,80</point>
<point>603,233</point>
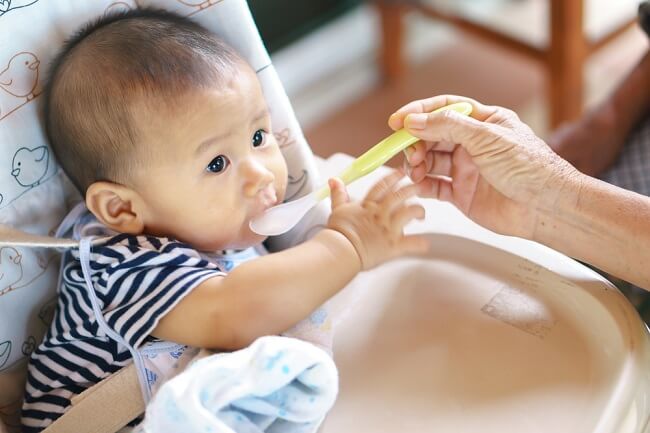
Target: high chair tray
<point>486,334</point>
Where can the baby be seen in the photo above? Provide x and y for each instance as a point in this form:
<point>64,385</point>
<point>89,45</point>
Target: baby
<point>165,131</point>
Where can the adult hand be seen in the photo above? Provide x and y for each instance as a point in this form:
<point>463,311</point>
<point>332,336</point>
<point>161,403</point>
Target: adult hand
<point>491,166</point>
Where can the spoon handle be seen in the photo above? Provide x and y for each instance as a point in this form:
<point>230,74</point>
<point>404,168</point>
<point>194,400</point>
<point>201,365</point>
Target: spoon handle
<point>381,152</point>
<point>390,146</point>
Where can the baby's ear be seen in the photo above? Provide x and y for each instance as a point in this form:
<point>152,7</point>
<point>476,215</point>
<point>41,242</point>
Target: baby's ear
<point>115,206</point>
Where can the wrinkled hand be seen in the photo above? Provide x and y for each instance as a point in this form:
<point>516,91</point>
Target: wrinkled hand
<point>591,145</point>
<point>491,166</point>
<point>375,226</point>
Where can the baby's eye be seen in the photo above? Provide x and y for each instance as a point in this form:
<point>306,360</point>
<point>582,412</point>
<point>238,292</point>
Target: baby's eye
<point>218,164</point>
<point>259,138</point>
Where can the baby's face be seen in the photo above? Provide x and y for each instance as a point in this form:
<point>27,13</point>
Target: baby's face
<point>214,165</point>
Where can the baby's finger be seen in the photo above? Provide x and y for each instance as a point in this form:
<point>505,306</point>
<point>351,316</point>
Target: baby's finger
<point>391,201</point>
<point>414,244</point>
<point>405,215</point>
<point>379,190</point>
<point>338,194</point>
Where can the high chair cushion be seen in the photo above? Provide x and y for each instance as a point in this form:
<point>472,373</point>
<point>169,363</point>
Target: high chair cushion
<point>35,194</point>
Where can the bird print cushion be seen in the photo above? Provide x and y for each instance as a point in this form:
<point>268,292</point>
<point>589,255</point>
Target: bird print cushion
<point>34,193</point>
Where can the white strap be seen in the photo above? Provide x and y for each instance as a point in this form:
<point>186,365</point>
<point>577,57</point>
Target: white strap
<point>104,408</point>
<point>10,236</point>
<point>84,259</point>
<point>13,237</point>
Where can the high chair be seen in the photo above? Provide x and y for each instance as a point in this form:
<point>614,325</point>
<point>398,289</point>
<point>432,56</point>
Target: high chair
<point>487,334</point>
<point>35,195</point>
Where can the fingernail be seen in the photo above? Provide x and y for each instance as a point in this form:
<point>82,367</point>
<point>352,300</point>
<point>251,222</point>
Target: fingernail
<point>395,119</point>
<point>416,120</point>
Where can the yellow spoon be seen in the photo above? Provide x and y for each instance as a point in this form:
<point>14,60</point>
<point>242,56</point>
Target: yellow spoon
<point>282,218</point>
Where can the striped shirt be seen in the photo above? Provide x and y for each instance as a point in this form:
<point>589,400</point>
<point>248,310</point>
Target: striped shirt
<point>137,280</point>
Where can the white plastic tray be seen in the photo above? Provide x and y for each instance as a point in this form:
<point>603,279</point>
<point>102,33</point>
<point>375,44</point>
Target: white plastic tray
<point>487,334</point>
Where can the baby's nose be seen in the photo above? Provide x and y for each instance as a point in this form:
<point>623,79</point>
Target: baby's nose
<point>256,176</point>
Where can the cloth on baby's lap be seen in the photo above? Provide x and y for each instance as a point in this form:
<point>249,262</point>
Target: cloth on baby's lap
<point>277,384</point>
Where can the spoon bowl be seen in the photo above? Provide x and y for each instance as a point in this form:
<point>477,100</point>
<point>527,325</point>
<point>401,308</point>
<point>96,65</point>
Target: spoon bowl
<point>281,218</point>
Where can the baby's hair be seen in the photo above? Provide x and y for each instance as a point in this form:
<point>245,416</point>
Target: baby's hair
<point>145,57</point>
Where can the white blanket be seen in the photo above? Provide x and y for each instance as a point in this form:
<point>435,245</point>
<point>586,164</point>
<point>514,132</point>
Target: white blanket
<point>278,384</point>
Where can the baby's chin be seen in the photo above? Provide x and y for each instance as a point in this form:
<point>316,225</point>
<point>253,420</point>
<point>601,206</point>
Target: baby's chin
<point>251,240</point>
<point>245,240</point>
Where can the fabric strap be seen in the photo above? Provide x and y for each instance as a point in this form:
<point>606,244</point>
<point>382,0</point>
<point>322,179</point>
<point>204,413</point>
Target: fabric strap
<point>104,408</point>
<point>84,258</point>
<point>11,237</point>
<point>107,406</point>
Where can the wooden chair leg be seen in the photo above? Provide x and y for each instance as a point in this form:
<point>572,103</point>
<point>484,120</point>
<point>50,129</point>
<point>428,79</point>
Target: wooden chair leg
<point>391,14</point>
<point>565,63</point>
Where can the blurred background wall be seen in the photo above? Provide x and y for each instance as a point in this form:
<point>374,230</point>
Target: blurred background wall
<point>328,54</point>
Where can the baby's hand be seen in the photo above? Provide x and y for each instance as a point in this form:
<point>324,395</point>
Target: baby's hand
<point>375,225</point>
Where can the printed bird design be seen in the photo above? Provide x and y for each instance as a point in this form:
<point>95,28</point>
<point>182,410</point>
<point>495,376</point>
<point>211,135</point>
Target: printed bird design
<point>197,3</point>
<point>5,351</point>
<point>20,77</point>
<point>9,5</point>
<point>29,345</point>
<point>30,165</point>
<point>296,184</point>
<point>11,268</point>
<point>283,137</point>
<point>117,7</point>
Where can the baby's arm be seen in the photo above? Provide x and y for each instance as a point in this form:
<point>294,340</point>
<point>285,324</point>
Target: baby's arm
<point>264,296</point>
<point>270,294</point>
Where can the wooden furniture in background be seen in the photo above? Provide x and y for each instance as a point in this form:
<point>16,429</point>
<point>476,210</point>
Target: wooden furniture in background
<point>563,58</point>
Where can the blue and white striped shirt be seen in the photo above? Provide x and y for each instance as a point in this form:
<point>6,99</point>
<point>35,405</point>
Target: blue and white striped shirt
<point>137,280</point>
